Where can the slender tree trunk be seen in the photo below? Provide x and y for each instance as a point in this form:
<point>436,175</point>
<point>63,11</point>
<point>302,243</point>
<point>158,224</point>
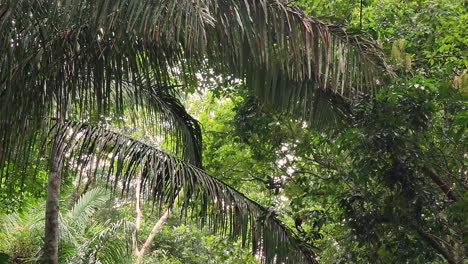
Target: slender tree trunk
<point>139,253</point>
<point>51,240</point>
<point>138,215</point>
<point>151,236</point>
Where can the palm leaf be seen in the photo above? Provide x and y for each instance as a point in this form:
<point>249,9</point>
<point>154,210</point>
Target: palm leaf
<point>72,58</point>
<point>209,200</point>
<point>86,205</point>
<point>157,110</point>
<point>60,52</point>
<point>76,246</point>
<point>104,247</point>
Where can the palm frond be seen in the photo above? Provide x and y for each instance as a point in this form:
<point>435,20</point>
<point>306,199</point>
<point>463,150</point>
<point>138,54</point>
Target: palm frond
<point>60,51</point>
<point>24,226</point>
<point>83,240</point>
<point>104,247</point>
<point>73,222</point>
<point>157,110</point>
<point>86,205</point>
<point>211,201</point>
<point>171,118</point>
<point>66,58</point>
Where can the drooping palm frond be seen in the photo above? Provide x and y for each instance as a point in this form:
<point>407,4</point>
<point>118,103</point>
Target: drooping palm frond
<point>159,111</point>
<point>66,57</point>
<point>183,128</point>
<point>61,50</point>
<point>156,109</point>
<point>211,201</point>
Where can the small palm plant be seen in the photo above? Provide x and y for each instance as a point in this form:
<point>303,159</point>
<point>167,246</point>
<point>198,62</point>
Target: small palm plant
<point>20,234</point>
<point>83,238</point>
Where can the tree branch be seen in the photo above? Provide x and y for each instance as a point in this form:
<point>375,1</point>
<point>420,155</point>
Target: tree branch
<point>440,56</point>
<point>153,233</point>
<point>437,246</point>
<point>445,187</point>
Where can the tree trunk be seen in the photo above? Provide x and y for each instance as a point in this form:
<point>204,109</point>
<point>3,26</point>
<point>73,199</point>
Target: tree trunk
<point>138,215</point>
<point>51,240</point>
<point>151,236</point>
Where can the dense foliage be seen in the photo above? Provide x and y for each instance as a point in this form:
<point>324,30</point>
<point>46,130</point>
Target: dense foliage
<point>381,178</point>
<point>389,185</point>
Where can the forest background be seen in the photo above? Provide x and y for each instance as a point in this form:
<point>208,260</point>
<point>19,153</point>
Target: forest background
<point>383,181</point>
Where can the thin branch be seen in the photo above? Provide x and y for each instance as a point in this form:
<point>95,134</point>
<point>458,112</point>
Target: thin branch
<point>445,187</point>
<point>360,14</point>
<point>314,174</point>
<point>138,214</point>
<point>327,165</point>
<point>440,57</point>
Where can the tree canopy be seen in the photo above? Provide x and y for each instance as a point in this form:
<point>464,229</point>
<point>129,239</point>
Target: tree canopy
<point>306,131</point>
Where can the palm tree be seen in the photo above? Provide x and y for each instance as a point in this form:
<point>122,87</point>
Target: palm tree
<point>97,57</point>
